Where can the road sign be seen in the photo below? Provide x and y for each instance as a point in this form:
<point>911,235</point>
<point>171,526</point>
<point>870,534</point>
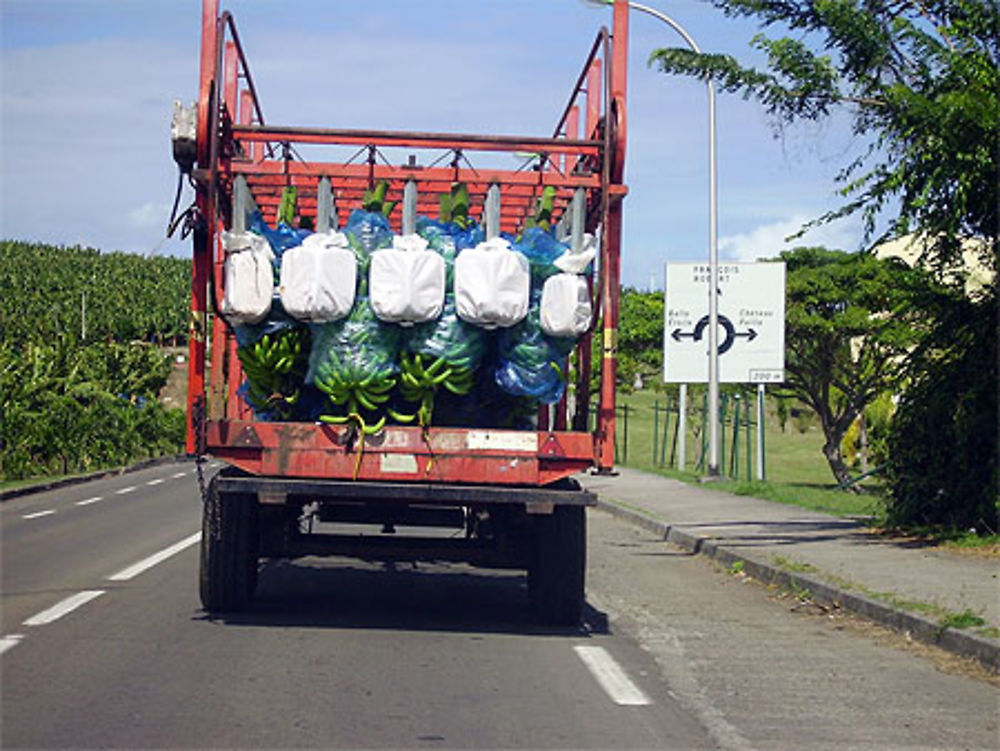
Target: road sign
<point>751,323</point>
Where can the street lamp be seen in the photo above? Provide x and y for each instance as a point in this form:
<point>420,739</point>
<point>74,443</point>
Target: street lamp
<point>713,242</point>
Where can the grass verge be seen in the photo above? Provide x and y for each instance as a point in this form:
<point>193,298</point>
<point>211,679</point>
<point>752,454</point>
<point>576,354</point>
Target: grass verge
<point>945,617</point>
<point>796,472</point>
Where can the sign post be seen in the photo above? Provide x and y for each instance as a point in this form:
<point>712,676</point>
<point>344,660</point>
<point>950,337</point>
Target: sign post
<point>750,332</point>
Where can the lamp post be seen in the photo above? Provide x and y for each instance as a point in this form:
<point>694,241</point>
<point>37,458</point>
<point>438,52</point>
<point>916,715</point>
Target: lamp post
<point>713,242</point>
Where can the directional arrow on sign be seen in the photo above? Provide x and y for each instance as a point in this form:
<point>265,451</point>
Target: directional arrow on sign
<point>727,325</point>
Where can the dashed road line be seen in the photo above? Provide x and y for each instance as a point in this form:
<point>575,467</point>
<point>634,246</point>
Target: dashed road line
<point>611,677</point>
<point>147,563</point>
<point>39,514</point>
<point>64,607</point>
<point>71,603</point>
<point>9,641</point>
<point>98,498</point>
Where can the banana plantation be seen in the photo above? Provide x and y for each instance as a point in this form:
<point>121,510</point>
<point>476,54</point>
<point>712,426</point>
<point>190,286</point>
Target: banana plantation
<point>81,358</point>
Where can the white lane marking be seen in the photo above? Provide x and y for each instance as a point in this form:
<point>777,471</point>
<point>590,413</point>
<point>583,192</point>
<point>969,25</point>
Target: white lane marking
<point>147,563</point>
<point>175,475</point>
<point>611,677</point>
<point>123,491</point>
<point>39,514</point>
<point>156,481</point>
<point>9,641</point>
<point>88,501</point>
<point>60,609</point>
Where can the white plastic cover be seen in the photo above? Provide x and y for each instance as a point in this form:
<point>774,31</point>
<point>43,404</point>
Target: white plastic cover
<point>576,263</point>
<point>406,282</point>
<point>318,278</point>
<point>565,309</point>
<point>248,277</point>
<point>492,284</point>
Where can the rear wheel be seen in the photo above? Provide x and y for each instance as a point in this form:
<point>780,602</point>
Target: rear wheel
<point>558,565</point>
<point>229,550</point>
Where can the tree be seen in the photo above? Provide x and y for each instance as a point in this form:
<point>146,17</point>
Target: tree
<point>946,426</point>
<point>640,336</point>
<point>640,340</point>
<point>852,322</point>
<point>921,79</point>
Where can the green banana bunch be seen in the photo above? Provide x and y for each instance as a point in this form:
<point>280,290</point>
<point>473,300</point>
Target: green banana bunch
<point>275,366</point>
<point>544,208</point>
<point>289,205</point>
<point>454,206</point>
<point>419,384</point>
<point>346,386</point>
<point>375,199</point>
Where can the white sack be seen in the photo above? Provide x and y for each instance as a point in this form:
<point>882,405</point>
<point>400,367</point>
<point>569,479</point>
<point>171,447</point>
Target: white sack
<point>565,309</point>
<point>248,278</point>
<point>576,263</point>
<point>406,283</point>
<point>492,284</point>
<point>318,278</point>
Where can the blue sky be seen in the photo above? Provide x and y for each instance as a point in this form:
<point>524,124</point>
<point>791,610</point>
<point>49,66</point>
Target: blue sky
<point>87,89</point>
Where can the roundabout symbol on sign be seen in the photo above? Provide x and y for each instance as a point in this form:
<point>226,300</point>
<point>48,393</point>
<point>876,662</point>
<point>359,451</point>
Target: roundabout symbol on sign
<point>731,333</point>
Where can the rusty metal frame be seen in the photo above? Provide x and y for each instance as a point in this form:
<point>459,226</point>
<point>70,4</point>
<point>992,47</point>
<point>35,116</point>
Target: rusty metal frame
<point>233,140</point>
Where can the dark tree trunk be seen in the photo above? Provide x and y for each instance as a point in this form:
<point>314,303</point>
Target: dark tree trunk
<point>831,450</point>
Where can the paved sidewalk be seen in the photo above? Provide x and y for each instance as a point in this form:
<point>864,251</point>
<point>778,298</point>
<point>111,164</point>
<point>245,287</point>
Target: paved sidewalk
<point>836,559</point>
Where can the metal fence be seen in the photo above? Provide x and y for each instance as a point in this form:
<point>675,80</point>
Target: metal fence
<point>738,422</point>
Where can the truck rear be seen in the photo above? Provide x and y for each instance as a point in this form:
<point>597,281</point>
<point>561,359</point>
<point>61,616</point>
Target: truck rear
<point>394,342</point>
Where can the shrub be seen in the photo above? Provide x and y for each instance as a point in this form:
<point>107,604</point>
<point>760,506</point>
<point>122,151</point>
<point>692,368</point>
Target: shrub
<point>943,440</point>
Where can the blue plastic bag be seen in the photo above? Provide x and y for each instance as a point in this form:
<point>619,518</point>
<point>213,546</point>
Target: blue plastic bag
<point>281,238</point>
<point>462,345</point>
<point>276,320</point>
<point>531,363</point>
<point>367,231</point>
<point>541,249</point>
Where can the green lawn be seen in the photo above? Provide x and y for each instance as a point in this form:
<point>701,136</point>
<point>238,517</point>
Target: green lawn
<point>795,470</point>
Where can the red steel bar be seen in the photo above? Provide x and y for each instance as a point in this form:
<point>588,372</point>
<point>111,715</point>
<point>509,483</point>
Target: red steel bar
<point>611,273</point>
<point>593,97</point>
<point>404,139</point>
<point>202,243</point>
<point>357,175</point>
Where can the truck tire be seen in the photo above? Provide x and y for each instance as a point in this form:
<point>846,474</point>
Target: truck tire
<point>558,565</point>
<point>229,550</point>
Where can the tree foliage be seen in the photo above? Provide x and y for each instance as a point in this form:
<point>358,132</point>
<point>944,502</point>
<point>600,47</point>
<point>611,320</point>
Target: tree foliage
<point>640,336</point>
<point>640,341</point>
<point>48,290</point>
<point>72,405</point>
<point>67,407</point>
<point>852,322</point>
<point>922,82</point>
<point>946,426</point>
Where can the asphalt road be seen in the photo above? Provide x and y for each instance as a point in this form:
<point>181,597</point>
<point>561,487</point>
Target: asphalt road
<point>103,644</point>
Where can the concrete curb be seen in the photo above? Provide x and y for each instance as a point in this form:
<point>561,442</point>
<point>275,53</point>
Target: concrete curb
<point>6,495</point>
<point>986,651</point>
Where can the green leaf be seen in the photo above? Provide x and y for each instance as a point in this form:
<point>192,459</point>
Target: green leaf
<point>289,203</point>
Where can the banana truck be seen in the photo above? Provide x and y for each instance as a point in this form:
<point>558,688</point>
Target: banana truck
<point>307,242</point>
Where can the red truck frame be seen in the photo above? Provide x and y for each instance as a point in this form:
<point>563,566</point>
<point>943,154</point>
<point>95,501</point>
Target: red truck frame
<point>275,465</point>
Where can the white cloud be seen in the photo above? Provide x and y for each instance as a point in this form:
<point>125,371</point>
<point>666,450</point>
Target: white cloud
<point>768,240</point>
<point>152,214</point>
